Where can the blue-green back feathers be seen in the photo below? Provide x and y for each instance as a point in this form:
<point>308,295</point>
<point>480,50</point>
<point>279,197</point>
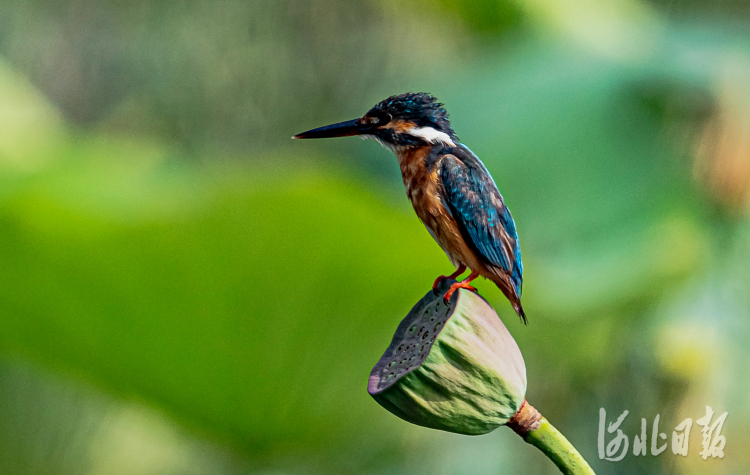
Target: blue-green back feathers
<point>485,222</point>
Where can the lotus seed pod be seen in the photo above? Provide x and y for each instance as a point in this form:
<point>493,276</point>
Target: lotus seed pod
<point>452,367</point>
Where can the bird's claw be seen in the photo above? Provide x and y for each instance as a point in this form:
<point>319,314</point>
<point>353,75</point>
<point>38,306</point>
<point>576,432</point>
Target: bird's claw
<point>439,281</point>
<point>456,286</point>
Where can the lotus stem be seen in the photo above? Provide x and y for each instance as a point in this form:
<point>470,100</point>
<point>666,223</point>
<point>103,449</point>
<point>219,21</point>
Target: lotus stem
<point>537,431</point>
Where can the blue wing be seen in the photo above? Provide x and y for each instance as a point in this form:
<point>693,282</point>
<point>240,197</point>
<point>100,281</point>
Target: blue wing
<point>485,222</point>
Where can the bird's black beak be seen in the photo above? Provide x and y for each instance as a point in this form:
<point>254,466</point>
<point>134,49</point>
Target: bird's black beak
<point>342,129</point>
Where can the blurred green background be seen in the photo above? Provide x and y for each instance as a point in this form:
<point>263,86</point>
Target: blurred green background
<point>184,290</point>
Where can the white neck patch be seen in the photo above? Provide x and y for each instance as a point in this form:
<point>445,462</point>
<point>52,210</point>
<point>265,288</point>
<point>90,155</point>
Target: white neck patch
<point>431,135</point>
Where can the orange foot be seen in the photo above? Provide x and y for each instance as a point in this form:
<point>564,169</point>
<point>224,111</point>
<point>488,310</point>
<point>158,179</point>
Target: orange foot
<point>464,284</point>
<point>439,280</point>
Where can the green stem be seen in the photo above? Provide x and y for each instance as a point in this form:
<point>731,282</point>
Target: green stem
<point>537,431</point>
<point>557,448</point>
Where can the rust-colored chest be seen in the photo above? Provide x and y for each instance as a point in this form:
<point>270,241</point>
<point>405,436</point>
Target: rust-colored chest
<point>413,169</point>
<point>423,187</point>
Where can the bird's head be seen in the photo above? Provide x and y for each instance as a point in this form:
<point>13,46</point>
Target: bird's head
<point>399,122</point>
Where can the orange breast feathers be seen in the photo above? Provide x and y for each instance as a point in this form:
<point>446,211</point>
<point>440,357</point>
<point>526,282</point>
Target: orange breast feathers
<point>423,189</point>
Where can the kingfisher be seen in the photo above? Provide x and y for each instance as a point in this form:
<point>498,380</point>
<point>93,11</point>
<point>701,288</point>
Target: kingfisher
<point>450,189</point>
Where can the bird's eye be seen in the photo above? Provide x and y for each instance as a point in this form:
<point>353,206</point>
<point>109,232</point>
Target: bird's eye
<point>380,119</point>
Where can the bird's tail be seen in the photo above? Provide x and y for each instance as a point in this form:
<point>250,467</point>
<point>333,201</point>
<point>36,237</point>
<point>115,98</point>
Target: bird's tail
<point>519,310</point>
<point>503,283</point>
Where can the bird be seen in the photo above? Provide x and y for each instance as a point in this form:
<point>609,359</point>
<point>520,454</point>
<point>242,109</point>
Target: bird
<point>449,187</point>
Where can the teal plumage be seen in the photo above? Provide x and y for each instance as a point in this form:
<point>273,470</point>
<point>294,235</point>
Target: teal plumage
<point>485,223</point>
<point>477,206</point>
